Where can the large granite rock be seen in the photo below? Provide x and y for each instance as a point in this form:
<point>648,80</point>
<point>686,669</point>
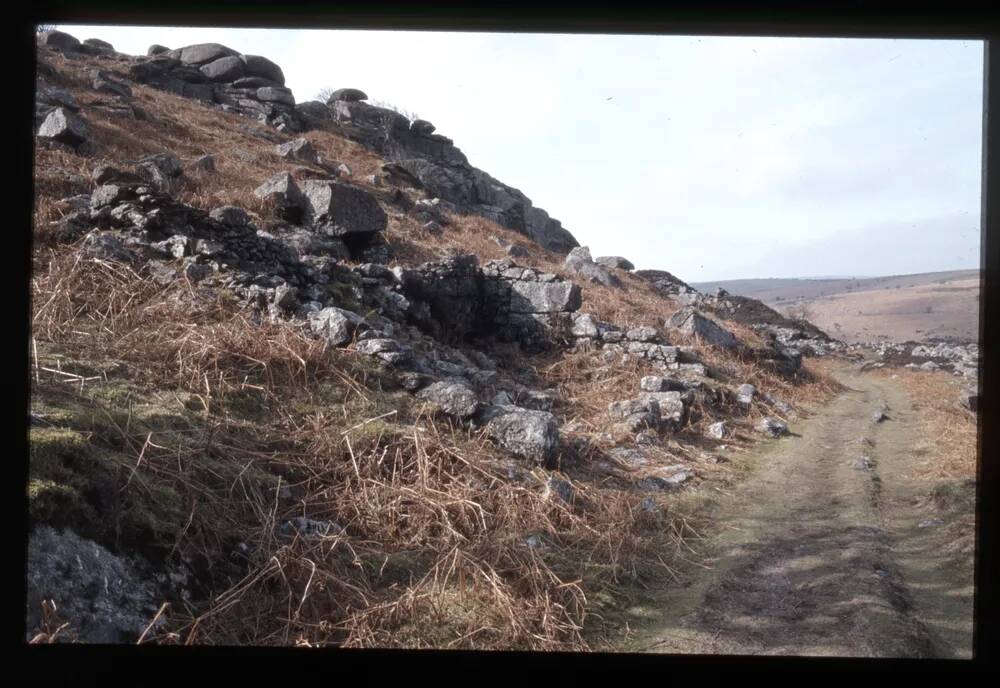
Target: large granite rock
<point>336,325</point>
<point>299,149</point>
<point>63,126</point>
<point>544,297</point>
<point>614,262</point>
<point>342,209</point>
<point>454,397</point>
<point>533,435</point>
<point>350,95</point>
<point>58,40</point>
<point>203,53</point>
<point>99,594</point>
<point>264,68</point>
<point>282,191</point>
<point>579,262</point>
<point>691,322</point>
<point>225,69</point>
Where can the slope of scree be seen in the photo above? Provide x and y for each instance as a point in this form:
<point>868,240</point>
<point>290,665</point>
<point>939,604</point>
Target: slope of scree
<point>344,388</point>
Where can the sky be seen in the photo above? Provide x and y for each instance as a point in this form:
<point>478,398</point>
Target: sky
<point>711,157</point>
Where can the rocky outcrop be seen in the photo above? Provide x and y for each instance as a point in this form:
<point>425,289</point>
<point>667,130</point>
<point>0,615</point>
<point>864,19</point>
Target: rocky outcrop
<point>445,174</point>
<point>800,335</point>
<point>960,358</point>
<point>253,86</point>
<point>579,262</point>
<point>671,286</point>
<point>614,263</point>
<point>100,595</point>
<point>432,162</point>
<point>692,323</point>
<point>297,265</point>
<point>249,85</point>
<point>502,300</point>
<point>639,342</point>
<point>292,272</point>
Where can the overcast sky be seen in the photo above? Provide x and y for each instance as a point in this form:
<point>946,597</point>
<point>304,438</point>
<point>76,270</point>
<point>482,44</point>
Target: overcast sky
<point>711,157</point>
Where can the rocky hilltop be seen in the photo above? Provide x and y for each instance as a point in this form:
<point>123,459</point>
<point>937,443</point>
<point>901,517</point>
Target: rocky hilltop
<point>253,86</point>
<point>304,353</point>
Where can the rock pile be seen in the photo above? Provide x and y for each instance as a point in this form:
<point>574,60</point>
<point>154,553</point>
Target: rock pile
<point>640,342</point>
<point>799,335</point>
<point>248,85</point>
<point>959,358</point>
<point>501,300</point>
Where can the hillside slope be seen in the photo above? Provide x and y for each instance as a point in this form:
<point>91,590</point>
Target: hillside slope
<point>780,290</point>
<point>301,375</point>
<point>920,312</point>
<point>897,308</point>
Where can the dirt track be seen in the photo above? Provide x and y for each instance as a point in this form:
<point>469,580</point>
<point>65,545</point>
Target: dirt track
<point>816,554</point>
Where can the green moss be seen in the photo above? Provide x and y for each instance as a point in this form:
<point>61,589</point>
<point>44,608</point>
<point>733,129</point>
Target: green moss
<point>157,515</point>
<point>249,405</point>
<point>76,483</point>
<point>451,614</point>
<point>52,502</point>
<point>67,477</point>
<point>50,447</point>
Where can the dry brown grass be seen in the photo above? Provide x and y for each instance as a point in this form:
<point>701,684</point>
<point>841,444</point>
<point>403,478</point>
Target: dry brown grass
<point>949,431</point>
<point>427,501</point>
